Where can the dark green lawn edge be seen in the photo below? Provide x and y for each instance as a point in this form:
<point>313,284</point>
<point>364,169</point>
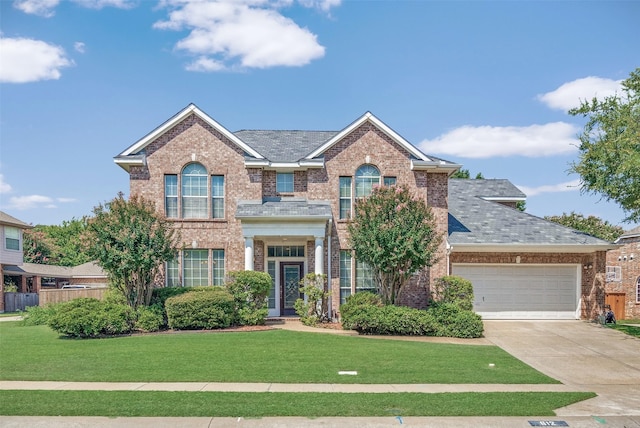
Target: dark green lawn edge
<point>263,404</point>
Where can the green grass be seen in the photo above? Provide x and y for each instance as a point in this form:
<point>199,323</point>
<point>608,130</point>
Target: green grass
<point>10,314</point>
<point>37,353</point>
<point>627,329</point>
<point>252,405</point>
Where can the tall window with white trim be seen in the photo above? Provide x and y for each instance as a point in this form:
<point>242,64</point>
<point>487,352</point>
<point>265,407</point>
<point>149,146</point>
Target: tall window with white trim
<point>194,191</point>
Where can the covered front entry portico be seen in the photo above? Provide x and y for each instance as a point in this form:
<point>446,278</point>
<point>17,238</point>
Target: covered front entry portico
<point>293,234</point>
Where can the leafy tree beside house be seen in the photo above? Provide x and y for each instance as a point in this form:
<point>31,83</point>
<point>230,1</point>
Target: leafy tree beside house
<point>130,241</point>
<point>394,233</point>
<point>56,244</point>
<point>609,160</point>
<point>592,225</point>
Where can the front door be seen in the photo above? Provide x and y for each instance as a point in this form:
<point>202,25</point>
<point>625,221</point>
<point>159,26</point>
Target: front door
<point>290,275</point>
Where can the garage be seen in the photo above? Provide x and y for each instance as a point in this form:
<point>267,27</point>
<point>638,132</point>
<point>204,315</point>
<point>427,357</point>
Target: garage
<point>523,291</point>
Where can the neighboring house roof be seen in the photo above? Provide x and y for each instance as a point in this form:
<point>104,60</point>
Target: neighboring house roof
<point>8,220</point>
<point>478,223</point>
<point>284,208</point>
<point>633,233</point>
<point>87,270</point>
<point>282,149</point>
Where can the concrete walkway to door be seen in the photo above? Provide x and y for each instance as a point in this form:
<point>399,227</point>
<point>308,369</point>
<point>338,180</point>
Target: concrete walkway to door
<point>582,355</point>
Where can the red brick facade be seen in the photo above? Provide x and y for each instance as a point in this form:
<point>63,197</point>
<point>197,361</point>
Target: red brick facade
<point>367,142</point>
<point>627,259</point>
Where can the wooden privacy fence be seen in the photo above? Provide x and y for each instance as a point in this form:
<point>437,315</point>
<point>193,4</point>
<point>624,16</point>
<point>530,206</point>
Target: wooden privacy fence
<point>57,296</point>
<point>14,302</point>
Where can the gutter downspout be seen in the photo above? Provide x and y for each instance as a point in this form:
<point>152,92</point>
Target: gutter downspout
<point>330,229</point>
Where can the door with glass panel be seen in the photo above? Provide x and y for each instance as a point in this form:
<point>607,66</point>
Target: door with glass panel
<point>290,275</point>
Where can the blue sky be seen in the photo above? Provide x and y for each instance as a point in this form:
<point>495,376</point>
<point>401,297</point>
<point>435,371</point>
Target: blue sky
<point>485,84</point>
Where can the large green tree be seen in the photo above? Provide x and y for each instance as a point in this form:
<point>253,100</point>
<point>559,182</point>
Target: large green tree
<point>592,225</point>
<point>131,241</point>
<point>56,244</point>
<point>609,161</point>
<point>394,232</point>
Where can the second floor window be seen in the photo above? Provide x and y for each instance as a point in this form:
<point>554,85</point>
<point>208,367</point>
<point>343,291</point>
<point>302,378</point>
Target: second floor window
<point>194,191</point>
<point>284,182</point>
<point>366,178</point>
<point>12,238</point>
<point>194,194</point>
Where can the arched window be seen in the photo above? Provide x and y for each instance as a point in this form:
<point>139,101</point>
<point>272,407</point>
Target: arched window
<point>194,191</point>
<point>367,176</point>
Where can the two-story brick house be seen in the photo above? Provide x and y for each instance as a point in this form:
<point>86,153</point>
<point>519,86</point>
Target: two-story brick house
<point>623,276</point>
<point>279,202</point>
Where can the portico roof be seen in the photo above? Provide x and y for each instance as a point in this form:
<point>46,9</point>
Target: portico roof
<point>284,209</point>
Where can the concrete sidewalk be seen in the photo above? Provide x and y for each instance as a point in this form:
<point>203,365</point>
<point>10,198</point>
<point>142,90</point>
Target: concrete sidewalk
<point>280,387</point>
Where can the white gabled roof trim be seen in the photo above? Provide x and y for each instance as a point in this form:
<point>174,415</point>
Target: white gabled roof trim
<point>503,198</point>
<point>191,108</point>
<point>379,124</point>
<point>418,165</point>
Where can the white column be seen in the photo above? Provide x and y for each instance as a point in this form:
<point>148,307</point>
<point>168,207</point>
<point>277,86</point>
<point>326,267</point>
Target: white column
<point>248,253</point>
<point>319,256</point>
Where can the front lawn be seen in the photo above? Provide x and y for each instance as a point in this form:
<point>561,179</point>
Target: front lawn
<point>252,405</point>
<point>278,356</point>
<point>631,330</point>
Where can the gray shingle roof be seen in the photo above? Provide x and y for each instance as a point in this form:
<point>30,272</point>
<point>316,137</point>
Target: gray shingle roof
<point>475,220</point>
<point>284,208</point>
<point>12,221</point>
<point>284,146</point>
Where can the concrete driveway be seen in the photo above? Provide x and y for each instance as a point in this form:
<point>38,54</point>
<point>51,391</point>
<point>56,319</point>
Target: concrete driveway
<point>580,354</point>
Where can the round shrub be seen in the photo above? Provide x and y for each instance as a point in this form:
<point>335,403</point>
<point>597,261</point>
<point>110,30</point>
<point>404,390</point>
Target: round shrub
<point>206,308</point>
<point>454,289</point>
<point>150,318</point>
<point>355,301</point>
<point>250,290</point>
<point>456,322</point>
<point>37,315</point>
<point>89,317</point>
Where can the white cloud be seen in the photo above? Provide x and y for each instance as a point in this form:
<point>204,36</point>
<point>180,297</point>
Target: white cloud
<point>205,64</point>
<point>31,201</point>
<point>490,141</point>
<point>569,95</point>
<point>42,8</point>
<point>29,60</point>
<point>4,186</point>
<point>66,200</point>
<point>245,33</point>
<point>45,8</point>
<point>569,186</point>
<point>79,47</point>
<point>99,4</point>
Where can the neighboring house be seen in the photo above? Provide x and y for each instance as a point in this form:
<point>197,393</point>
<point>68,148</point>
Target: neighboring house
<point>623,276</point>
<point>11,251</point>
<point>36,276</point>
<point>280,201</point>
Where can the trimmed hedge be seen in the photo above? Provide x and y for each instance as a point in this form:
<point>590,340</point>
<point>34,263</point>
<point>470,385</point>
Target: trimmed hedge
<point>366,315</point>
<point>454,289</point>
<point>201,308</point>
<point>89,317</point>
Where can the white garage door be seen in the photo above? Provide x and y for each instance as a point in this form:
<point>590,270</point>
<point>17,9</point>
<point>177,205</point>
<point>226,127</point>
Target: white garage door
<point>523,292</point>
